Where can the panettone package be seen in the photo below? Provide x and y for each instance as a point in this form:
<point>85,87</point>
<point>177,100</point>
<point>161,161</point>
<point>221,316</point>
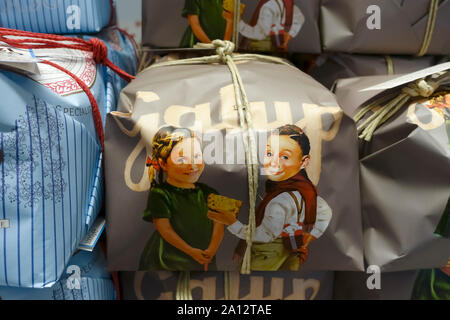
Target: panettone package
<point>214,285</point>
<point>330,67</point>
<point>413,27</point>
<point>403,123</point>
<point>186,169</point>
<point>57,17</point>
<point>51,185</point>
<point>264,25</point>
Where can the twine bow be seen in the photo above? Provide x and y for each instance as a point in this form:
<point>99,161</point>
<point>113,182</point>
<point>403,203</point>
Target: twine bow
<point>432,14</point>
<point>421,88</point>
<point>224,49</point>
<point>183,291</point>
<point>385,107</point>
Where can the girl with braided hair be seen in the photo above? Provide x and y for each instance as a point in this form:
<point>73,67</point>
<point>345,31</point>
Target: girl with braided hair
<point>185,238</point>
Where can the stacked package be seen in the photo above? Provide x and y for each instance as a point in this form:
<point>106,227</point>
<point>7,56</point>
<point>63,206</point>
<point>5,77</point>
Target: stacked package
<point>412,27</point>
<point>403,204</point>
<point>57,17</point>
<point>84,278</point>
<point>404,131</point>
<point>147,285</point>
<point>264,26</point>
<point>404,139</point>
<point>51,139</point>
<point>387,27</point>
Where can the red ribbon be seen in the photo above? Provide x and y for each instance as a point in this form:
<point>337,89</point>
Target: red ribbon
<point>153,162</point>
<point>52,41</point>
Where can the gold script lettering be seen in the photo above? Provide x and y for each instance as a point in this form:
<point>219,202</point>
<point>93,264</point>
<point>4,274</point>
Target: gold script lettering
<point>436,119</point>
<point>147,125</point>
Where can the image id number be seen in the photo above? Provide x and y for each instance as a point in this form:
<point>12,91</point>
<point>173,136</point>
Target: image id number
<point>252,309</point>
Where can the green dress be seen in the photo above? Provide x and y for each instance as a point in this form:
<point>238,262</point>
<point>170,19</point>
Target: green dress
<point>209,13</point>
<point>432,284</point>
<point>443,228</point>
<point>187,212</point>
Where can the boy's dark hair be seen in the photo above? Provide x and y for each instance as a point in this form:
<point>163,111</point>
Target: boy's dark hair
<point>297,134</point>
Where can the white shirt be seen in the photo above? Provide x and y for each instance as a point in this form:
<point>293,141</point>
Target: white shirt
<point>282,210</point>
<point>271,18</point>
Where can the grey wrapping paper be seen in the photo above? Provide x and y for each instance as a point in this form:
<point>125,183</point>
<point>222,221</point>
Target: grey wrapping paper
<point>392,285</point>
<point>344,26</point>
<point>143,285</point>
<point>426,284</point>
<point>405,181</point>
<point>278,95</point>
<point>163,25</point>
<point>330,67</point>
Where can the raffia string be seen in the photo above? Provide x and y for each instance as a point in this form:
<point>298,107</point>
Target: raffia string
<point>236,18</point>
<point>179,292</point>
<point>432,13</point>
<point>385,107</point>
<point>224,54</point>
<point>187,283</point>
<point>227,285</point>
<point>389,65</point>
<point>183,291</point>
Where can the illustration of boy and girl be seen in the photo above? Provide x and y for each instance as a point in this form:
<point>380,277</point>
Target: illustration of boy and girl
<point>188,234</point>
<point>273,24</point>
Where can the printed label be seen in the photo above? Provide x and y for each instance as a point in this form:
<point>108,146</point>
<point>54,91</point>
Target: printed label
<point>19,60</point>
<point>77,62</point>
<point>90,240</point>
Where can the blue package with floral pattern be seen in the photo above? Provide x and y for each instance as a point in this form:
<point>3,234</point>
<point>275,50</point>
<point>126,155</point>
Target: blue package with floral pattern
<point>51,186</point>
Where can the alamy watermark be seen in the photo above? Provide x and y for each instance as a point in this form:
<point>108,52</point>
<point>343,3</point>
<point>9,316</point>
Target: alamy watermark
<point>373,22</point>
<point>374,280</point>
<point>74,280</point>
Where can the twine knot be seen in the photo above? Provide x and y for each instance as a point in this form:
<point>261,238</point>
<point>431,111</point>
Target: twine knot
<point>421,88</point>
<point>99,50</point>
<point>223,48</point>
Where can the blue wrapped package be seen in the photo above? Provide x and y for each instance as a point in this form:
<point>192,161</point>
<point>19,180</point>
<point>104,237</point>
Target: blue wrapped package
<point>85,278</point>
<point>51,164</point>
<point>57,16</point>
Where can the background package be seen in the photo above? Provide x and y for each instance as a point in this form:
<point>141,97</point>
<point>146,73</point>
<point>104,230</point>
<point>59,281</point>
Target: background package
<point>404,186</point>
<point>58,17</point>
<point>383,27</point>
<point>262,25</point>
